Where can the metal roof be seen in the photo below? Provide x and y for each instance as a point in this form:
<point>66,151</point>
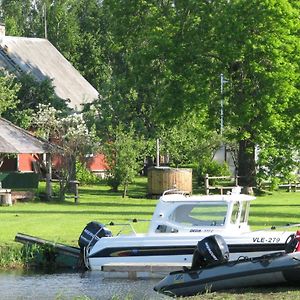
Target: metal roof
<point>14,139</point>
<point>41,59</point>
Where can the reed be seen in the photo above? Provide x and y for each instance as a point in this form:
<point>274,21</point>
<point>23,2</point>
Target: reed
<point>10,257</point>
<point>19,257</point>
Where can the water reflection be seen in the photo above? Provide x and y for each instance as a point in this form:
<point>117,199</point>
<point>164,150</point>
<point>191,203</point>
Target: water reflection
<point>88,285</point>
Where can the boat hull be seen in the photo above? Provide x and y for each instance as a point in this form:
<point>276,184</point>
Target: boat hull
<point>176,250</point>
<point>272,269</point>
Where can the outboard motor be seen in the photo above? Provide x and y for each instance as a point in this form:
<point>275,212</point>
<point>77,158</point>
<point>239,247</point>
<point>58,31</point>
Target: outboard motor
<point>210,251</point>
<point>92,233</point>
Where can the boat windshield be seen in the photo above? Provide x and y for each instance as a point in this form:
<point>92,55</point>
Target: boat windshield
<point>204,214</point>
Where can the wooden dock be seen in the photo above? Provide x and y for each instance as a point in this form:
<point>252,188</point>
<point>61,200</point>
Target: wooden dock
<point>140,270</point>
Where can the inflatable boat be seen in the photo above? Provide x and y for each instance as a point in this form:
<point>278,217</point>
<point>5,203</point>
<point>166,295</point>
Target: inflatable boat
<point>178,223</point>
<point>211,270</point>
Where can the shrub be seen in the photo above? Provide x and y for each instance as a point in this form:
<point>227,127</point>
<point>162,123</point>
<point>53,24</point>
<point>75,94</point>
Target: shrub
<point>212,168</point>
<point>85,176</point>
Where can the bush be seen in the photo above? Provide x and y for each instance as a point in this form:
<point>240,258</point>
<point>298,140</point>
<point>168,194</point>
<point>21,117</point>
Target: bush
<point>212,168</point>
<point>85,176</point>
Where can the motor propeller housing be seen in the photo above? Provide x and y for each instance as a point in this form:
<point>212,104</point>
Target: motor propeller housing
<point>210,251</point>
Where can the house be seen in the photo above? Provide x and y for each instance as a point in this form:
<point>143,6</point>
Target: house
<point>13,141</point>
<point>39,58</point>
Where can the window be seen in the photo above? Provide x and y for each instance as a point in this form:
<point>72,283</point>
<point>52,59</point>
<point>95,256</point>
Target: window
<point>206,214</point>
<point>245,211</point>
<point>235,213</point>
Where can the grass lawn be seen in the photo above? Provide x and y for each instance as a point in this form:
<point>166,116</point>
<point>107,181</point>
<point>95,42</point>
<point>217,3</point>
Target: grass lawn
<point>64,221</point>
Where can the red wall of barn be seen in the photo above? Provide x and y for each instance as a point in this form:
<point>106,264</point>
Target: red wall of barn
<point>25,162</point>
<point>94,163</point>
<point>97,163</point>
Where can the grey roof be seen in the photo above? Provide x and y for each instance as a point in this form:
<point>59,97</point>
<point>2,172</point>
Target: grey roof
<point>14,139</point>
<point>41,59</point>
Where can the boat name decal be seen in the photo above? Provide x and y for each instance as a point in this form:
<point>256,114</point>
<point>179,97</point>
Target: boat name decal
<point>201,230</point>
<point>266,240</point>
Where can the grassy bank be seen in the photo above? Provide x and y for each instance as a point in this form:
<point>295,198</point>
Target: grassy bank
<point>63,222</point>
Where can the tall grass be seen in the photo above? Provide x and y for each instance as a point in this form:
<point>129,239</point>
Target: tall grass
<point>17,256</point>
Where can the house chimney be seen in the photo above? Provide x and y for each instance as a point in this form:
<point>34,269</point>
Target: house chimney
<point>2,30</point>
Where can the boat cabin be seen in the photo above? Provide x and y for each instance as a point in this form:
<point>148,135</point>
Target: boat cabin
<point>177,212</point>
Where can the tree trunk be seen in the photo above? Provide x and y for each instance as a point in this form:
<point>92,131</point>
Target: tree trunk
<point>246,163</point>
<point>124,191</point>
<point>62,189</point>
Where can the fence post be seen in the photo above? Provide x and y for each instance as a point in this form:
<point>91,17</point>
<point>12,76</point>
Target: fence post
<point>236,180</point>
<point>74,187</point>
<point>206,184</point>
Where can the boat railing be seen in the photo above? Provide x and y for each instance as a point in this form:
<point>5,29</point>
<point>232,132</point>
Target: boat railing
<point>126,227</point>
<point>174,191</point>
<point>278,227</point>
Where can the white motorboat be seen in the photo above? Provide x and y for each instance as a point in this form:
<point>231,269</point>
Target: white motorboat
<point>178,223</point>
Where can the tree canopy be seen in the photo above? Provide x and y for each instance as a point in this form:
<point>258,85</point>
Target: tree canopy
<point>8,93</point>
<point>157,66</point>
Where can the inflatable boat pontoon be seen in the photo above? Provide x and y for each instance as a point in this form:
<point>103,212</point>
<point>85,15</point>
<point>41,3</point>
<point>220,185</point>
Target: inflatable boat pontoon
<point>211,270</point>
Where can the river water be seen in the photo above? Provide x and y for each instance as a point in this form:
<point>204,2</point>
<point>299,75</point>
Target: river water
<point>72,285</point>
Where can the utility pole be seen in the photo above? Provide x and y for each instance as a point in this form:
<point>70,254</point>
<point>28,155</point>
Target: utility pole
<point>157,152</point>
<point>45,21</point>
<point>223,81</point>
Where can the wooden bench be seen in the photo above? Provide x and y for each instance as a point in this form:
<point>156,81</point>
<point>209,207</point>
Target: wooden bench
<point>5,196</point>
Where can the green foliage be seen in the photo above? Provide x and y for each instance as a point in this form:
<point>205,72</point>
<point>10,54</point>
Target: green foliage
<point>31,94</point>
<point>85,176</point>
<point>277,162</point>
<point>10,257</point>
<point>256,45</point>
<point>17,257</point>
<point>20,97</point>
<point>187,140</point>
<point>63,27</point>
<point>8,93</point>
<point>34,92</point>
<point>19,17</point>
<point>212,168</point>
<point>124,155</point>
<point>162,60</point>
<point>151,74</point>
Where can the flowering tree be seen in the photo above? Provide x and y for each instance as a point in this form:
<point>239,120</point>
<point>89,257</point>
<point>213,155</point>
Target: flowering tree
<point>72,136</point>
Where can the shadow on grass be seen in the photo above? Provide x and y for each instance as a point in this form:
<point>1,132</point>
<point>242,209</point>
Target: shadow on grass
<point>17,213</point>
<point>270,206</point>
<point>101,203</point>
<point>142,194</point>
<point>281,226</point>
<point>270,214</point>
